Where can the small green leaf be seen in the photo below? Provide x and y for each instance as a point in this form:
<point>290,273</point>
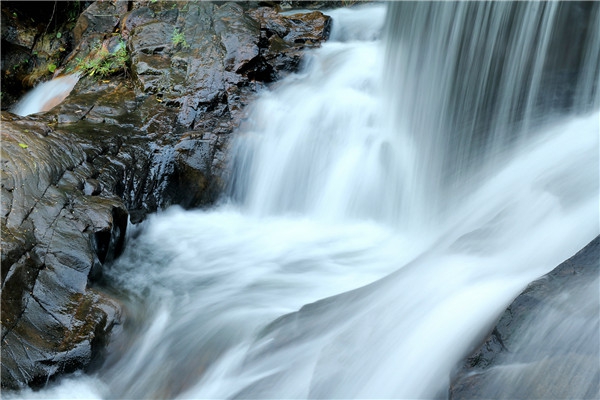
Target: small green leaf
<point>58,35</point>
<point>52,68</point>
<point>23,145</point>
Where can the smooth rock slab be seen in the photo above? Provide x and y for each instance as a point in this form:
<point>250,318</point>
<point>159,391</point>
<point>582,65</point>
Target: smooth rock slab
<point>547,343</point>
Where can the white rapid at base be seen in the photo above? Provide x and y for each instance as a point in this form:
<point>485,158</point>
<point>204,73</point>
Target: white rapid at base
<point>308,283</point>
<point>46,95</point>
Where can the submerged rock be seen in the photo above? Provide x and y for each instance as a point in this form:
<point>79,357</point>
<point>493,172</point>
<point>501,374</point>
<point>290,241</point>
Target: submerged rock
<point>546,344</point>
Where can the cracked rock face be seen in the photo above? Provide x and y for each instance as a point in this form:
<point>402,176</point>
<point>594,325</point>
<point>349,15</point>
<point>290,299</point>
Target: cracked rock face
<point>204,60</point>
<point>53,236</point>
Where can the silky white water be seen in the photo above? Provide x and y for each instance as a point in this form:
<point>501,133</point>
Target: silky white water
<point>330,271</point>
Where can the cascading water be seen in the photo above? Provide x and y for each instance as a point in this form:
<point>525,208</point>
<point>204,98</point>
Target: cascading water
<point>417,187</point>
<point>470,81</point>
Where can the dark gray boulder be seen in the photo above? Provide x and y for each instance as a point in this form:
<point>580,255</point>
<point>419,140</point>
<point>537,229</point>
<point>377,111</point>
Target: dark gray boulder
<point>194,67</point>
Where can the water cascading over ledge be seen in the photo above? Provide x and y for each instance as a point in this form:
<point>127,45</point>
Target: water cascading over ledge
<point>46,95</point>
<point>463,83</point>
<point>479,146</point>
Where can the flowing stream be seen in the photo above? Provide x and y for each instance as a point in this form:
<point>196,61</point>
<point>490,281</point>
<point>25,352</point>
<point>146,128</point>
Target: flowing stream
<point>386,204</point>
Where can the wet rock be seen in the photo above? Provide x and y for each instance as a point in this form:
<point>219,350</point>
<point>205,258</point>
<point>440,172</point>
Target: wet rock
<point>138,17</point>
<point>92,187</point>
<point>183,93</point>
<point>18,38</point>
<point>283,38</point>
<point>239,35</point>
<point>550,361</point>
<point>316,5</point>
<point>99,17</point>
<point>53,236</point>
<point>209,53</point>
<point>193,164</point>
<point>17,31</point>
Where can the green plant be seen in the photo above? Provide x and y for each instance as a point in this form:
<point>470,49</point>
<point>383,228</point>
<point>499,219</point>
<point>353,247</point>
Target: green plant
<point>22,63</point>
<point>179,39</point>
<point>51,68</point>
<point>73,10</point>
<point>121,56</point>
<point>104,63</point>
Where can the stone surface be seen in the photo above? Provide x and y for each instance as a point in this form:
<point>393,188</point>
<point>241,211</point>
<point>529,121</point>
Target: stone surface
<point>100,17</point>
<point>186,98</point>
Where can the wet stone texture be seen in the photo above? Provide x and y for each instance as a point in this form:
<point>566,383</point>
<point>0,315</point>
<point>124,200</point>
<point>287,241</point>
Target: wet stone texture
<point>120,147</point>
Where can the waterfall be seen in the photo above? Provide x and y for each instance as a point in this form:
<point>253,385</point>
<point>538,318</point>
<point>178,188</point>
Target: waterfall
<point>386,204</point>
<point>463,82</point>
<point>470,80</point>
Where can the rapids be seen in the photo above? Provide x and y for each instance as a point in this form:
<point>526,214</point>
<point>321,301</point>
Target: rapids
<point>370,236</point>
